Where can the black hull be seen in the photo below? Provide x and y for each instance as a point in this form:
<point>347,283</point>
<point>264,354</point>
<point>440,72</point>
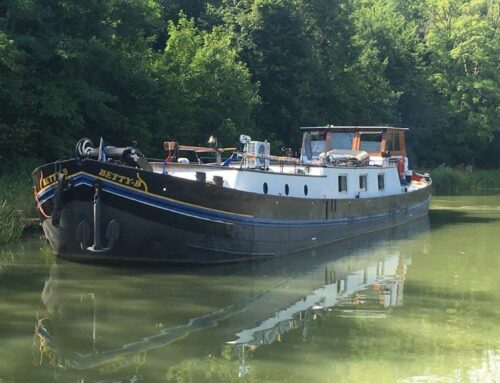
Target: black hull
<point>166,219</point>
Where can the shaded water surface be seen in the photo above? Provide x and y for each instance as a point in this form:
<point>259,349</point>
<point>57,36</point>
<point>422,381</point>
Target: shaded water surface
<point>417,304</point>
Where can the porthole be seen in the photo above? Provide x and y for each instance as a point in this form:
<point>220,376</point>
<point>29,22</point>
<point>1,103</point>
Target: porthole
<point>306,190</point>
<point>265,188</point>
<point>287,189</point>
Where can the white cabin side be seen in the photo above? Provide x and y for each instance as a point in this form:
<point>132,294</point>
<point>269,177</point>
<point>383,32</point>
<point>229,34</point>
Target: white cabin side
<point>326,184</point>
<point>322,182</point>
<point>378,167</point>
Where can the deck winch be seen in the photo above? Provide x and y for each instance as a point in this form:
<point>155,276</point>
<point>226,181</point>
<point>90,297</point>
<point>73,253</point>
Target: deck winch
<point>129,156</point>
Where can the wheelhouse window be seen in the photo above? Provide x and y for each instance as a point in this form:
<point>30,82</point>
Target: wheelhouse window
<point>370,142</point>
<point>393,142</point>
<point>313,144</point>
<point>342,140</point>
<point>381,182</point>
<point>363,182</point>
<point>343,183</point>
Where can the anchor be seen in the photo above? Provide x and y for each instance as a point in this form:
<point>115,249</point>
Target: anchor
<point>83,229</point>
<point>56,211</point>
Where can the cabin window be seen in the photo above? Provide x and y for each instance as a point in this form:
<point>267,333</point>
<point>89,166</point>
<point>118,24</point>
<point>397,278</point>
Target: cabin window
<point>342,140</point>
<point>314,144</point>
<point>287,189</point>
<point>393,143</point>
<point>370,142</point>
<point>381,182</point>
<point>388,141</point>
<point>306,190</point>
<point>363,182</point>
<point>343,183</point>
<point>265,188</point>
<point>396,144</point>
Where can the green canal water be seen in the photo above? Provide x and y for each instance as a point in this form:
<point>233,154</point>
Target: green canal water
<point>417,304</point>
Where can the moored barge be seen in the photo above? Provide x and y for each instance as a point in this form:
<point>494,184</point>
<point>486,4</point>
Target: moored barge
<point>114,204</point>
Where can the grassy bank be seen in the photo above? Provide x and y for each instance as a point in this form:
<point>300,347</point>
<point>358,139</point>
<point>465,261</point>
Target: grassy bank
<point>16,200</point>
<point>11,224</point>
<point>448,181</point>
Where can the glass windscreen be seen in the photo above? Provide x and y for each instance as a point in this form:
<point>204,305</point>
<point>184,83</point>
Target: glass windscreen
<point>370,142</point>
<point>342,140</point>
<point>393,141</point>
<point>314,144</point>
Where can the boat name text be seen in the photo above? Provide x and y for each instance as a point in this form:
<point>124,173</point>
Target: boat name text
<point>46,181</point>
<point>137,182</point>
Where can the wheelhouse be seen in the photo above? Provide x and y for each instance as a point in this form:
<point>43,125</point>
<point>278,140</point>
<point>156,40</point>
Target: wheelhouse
<point>382,142</point>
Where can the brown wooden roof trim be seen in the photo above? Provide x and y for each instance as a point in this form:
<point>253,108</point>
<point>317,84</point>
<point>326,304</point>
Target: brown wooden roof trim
<point>353,128</point>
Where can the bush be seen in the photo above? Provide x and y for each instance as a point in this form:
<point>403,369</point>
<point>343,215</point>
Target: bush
<point>11,225</point>
<point>16,190</point>
<point>449,181</point>
<point>16,199</point>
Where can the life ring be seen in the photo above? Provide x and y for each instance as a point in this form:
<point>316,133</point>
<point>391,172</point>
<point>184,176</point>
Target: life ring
<point>401,167</point>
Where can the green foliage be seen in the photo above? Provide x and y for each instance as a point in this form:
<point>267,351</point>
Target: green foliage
<point>16,199</point>
<point>272,41</point>
<point>150,70</point>
<point>15,186</point>
<point>78,68</point>
<point>462,40</point>
<point>11,226</point>
<point>207,89</point>
<point>448,181</point>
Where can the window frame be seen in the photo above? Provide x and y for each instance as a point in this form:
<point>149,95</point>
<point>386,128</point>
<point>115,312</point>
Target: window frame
<point>365,177</point>
<point>344,176</point>
<point>383,181</point>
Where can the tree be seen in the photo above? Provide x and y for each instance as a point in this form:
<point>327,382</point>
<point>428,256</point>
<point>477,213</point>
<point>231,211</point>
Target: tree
<point>206,88</point>
<point>81,69</point>
<point>464,47</point>
<point>148,70</point>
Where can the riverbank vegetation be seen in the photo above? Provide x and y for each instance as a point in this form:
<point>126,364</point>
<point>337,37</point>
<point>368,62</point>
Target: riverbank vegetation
<point>448,181</point>
<point>16,199</point>
<point>11,226</point>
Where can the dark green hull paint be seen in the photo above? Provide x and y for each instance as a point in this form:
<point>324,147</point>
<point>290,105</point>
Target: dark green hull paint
<point>215,224</point>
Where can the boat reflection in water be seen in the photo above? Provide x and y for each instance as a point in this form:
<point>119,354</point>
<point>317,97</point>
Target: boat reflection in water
<point>101,324</point>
